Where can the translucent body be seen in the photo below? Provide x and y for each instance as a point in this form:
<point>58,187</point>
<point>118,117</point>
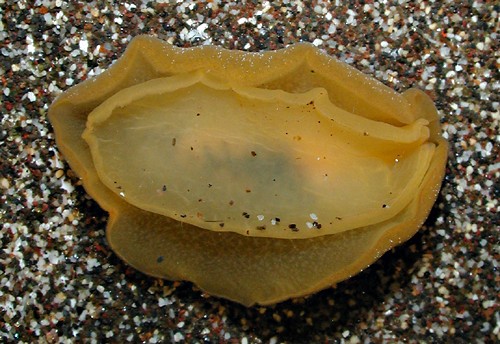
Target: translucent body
<point>257,176</point>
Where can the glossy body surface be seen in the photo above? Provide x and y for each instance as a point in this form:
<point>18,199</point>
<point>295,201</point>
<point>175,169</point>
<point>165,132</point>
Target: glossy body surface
<point>258,176</point>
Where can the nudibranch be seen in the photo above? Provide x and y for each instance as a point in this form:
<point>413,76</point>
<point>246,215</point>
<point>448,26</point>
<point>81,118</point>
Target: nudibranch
<point>257,176</point>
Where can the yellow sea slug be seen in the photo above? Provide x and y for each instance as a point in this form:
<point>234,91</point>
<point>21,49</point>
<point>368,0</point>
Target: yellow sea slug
<point>257,176</point>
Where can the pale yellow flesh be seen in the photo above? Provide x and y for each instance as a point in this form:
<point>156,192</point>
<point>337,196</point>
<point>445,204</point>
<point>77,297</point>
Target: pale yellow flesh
<point>259,163</point>
<point>266,269</point>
